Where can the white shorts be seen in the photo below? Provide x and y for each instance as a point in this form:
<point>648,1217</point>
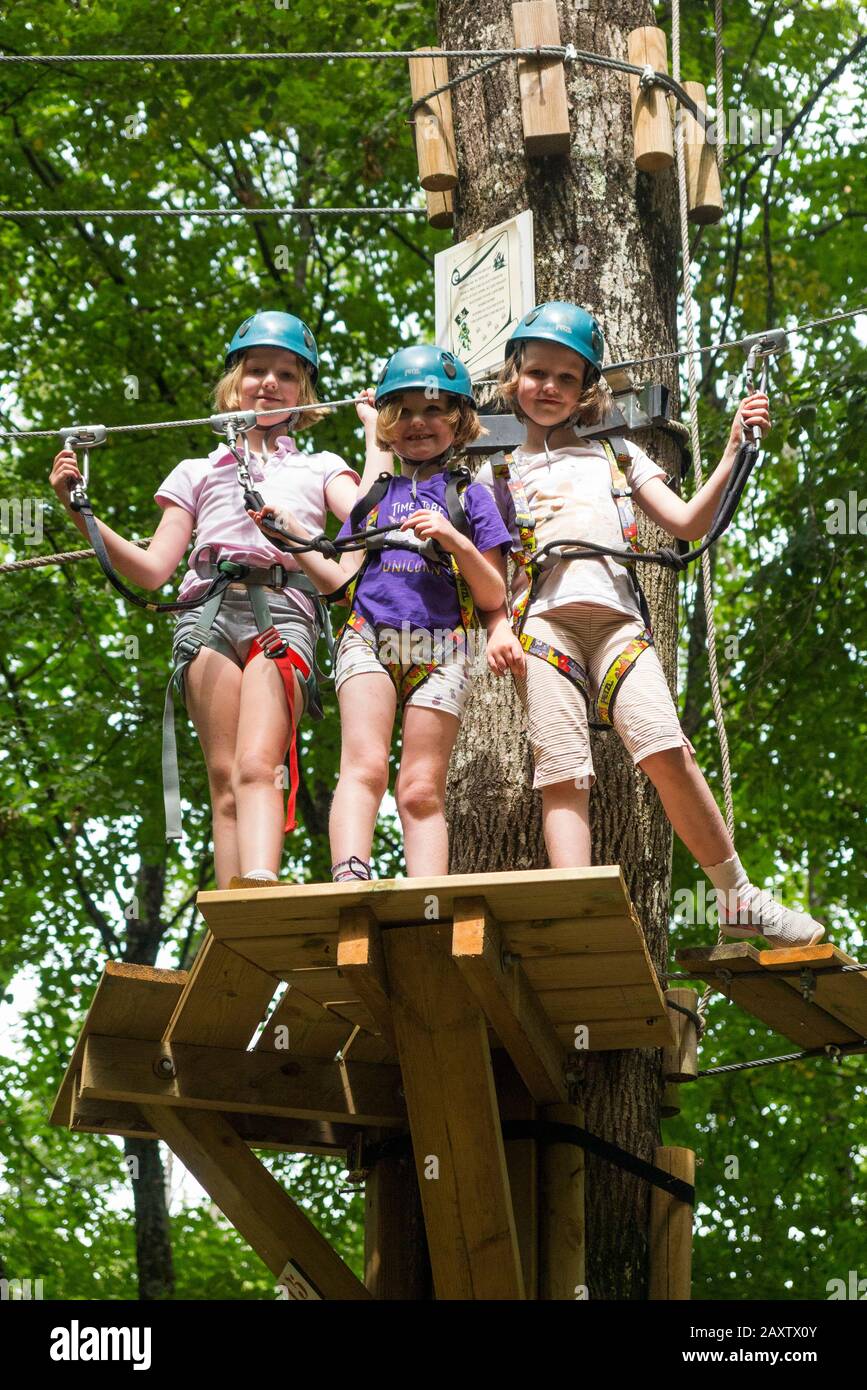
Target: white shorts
<point>447,688</point>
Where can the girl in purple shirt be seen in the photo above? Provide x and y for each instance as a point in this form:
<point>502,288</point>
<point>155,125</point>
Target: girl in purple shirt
<point>409,638</point>
<point>238,699</point>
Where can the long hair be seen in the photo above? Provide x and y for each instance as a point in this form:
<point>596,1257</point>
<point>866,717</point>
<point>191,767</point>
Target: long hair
<point>594,404</point>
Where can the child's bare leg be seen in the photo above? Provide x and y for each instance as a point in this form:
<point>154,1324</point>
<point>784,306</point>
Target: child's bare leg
<point>264,728</point>
<point>689,804</point>
<point>212,688</point>
<point>367,708</point>
<point>428,739</point>
<point>566,825</point>
<point>744,909</point>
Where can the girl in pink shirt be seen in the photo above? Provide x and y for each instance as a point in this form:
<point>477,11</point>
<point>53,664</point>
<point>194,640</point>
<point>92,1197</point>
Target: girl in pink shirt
<point>236,696</point>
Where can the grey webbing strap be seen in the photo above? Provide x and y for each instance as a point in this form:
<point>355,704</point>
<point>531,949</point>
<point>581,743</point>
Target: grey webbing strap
<point>188,650</point>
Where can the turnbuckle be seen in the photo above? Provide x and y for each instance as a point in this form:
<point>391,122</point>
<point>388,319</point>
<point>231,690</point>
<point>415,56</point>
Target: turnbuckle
<point>84,438</point>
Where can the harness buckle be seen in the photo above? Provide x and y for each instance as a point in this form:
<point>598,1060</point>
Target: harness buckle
<point>272,643</point>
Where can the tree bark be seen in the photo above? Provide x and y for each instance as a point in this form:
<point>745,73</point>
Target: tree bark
<point>627,276</point>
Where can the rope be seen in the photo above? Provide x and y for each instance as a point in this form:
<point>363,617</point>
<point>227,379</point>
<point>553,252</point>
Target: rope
<point>10,214</point>
<point>483,381</point>
<point>63,557</point>
<point>719,103</point>
<point>707,583</point>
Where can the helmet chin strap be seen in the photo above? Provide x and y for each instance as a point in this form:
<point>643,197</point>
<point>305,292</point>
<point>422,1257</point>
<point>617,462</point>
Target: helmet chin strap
<point>289,419</point>
<point>438,461</point>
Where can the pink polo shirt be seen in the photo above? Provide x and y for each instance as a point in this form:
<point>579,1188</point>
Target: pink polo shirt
<point>209,490</point>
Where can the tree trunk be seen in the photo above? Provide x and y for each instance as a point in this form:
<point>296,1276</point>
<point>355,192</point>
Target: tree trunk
<point>626,276</point>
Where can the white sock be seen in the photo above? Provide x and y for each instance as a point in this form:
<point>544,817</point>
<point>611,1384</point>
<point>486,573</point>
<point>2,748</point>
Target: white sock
<point>732,883</point>
<point>262,875</point>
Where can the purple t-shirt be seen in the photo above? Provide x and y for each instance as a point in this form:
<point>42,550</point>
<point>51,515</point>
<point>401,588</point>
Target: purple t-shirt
<point>399,586</point>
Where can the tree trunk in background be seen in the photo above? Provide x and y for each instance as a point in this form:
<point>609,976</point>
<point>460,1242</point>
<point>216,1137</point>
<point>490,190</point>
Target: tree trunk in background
<point>591,199</point>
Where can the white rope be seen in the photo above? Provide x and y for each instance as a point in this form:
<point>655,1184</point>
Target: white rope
<point>707,586</point>
<point>720,123</point>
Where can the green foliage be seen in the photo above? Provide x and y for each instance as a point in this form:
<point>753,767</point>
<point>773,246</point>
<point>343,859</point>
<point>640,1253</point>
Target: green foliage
<point>126,321</point>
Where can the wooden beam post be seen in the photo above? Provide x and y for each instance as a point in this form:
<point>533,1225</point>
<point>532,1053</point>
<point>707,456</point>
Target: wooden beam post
<point>522,1161</point>
<point>361,962</point>
<point>255,1203</point>
<point>651,121</point>
<point>542,82</point>
<point>511,1006</point>
<point>457,1140</point>
<point>562,1259</point>
<point>671,1230</point>
<point>396,1262</point>
<point>434,132</point>
<point>704,196</point>
<point>680,1062</point>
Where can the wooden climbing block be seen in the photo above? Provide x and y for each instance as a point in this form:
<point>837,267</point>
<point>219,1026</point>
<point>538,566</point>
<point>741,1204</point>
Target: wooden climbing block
<point>454,1119</point>
<point>835,1012</point>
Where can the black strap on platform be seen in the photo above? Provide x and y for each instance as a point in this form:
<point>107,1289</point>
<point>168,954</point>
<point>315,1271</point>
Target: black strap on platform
<point>553,1132</point>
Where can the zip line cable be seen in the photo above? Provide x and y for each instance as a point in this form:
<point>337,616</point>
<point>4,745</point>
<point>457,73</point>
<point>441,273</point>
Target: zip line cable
<point>15,214</point>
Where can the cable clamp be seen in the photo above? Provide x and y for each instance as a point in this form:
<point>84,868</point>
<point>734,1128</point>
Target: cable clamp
<point>808,985</point>
<point>649,77</point>
<point>570,53</point>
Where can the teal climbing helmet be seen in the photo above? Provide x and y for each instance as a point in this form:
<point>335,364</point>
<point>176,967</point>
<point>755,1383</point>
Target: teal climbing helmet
<point>271,328</point>
<point>567,324</point>
<point>424,368</point>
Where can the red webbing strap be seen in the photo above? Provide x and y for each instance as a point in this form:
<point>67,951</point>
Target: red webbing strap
<point>287,665</point>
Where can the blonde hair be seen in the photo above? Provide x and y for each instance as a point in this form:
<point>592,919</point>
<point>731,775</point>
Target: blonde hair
<point>595,403</point>
<point>227,392</point>
<point>462,420</point>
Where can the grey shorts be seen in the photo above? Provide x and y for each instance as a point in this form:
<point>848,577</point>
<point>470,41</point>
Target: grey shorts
<point>235,628</point>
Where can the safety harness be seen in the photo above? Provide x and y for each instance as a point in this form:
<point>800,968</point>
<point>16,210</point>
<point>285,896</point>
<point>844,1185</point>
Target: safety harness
<point>364,517</point>
<point>618,458</point>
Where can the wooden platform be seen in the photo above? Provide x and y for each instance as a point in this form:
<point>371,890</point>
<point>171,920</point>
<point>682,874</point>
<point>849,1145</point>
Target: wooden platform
<point>397,993</point>
<point>800,993</point>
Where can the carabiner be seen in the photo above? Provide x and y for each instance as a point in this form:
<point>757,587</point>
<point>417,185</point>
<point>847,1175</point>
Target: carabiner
<point>84,438</point>
<point>764,346</point>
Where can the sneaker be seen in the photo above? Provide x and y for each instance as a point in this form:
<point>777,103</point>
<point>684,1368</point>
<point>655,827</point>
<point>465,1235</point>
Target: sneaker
<point>762,915</point>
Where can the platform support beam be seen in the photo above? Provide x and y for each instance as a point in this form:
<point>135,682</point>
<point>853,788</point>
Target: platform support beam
<point>396,1263</point>
<point>562,1259</point>
<point>255,1203</point>
<point>671,1230</point>
<point>454,1118</point>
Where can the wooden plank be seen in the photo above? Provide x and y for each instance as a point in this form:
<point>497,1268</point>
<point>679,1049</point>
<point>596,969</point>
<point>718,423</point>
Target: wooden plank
<point>135,1001</point>
<point>452,1105</point>
<point>587,1005</point>
<point>258,1131</point>
<point>585,971</point>
<point>769,999</point>
<point>572,894</point>
<point>670,1245</point>
<point>283,956</point>
<point>223,1001</point>
<point>572,936</point>
<point>522,1161</point>
<point>361,962</point>
<point>542,84</point>
<point>309,1030</point>
<point>509,1003</point>
<point>260,1083</point>
<point>611,1035</point>
<point>396,1264</point>
<point>844,997</point>
<point>282,1236</point>
<point>562,1228</point>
